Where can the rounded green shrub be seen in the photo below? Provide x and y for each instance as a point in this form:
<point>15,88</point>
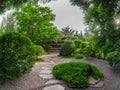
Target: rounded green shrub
<point>77,43</point>
<point>67,48</point>
<point>78,56</point>
<point>113,58</point>
<point>76,74</point>
<point>39,50</point>
<point>16,55</point>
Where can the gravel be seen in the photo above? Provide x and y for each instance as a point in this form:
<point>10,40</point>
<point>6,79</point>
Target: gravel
<point>32,80</point>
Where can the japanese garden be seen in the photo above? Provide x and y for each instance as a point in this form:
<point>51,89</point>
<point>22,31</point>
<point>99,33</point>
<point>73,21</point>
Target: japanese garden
<point>37,55</point>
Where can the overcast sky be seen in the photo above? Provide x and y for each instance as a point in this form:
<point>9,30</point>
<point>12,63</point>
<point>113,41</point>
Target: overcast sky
<point>67,15</point>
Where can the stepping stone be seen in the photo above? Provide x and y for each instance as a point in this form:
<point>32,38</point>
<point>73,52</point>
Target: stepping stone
<point>53,82</point>
<point>54,87</point>
<point>46,68</point>
<point>93,81</point>
<point>99,84</point>
<point>51,61</point>
<point>48,65</point>
<point>49,76</point>
<point>46,72</point>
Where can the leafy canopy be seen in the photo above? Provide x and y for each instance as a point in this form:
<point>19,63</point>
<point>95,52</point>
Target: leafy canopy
<point>100,17</point>
<point>35,22</point>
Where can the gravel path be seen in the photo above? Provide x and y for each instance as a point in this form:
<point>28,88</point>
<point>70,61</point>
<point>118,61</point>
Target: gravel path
<point>32,80</point>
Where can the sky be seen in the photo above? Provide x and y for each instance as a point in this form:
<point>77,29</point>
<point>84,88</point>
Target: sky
<point>67,15</point>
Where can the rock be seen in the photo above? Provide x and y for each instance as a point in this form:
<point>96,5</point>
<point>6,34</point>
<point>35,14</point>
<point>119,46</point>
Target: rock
<point>99,84</point>
<point>49,76</point>
<point>53,82</point>
<point>46,72</point>
<point>48,65</point>
<point>46,68</point>
<point>51,62</point>
<point>54,87</point>
<point>93,81</point>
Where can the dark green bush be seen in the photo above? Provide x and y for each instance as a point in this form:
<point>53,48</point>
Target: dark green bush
<point>113,58</point>
<point>39,50</point>
<point>77,43</point>
<point>67,48</point>
<point>46,47</point>
<point>16,55</point>
<point>76,74</point>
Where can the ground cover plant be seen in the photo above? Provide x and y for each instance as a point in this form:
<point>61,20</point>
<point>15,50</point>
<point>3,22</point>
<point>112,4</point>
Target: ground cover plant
<point>16,55</point>
<point>76,74</point>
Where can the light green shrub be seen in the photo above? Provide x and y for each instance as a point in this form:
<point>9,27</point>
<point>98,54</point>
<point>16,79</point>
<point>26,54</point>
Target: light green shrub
<point>39,50</point>
<point>16,55</point>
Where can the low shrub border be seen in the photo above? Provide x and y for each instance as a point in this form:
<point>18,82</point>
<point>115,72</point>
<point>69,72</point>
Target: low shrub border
<point>76,74</point>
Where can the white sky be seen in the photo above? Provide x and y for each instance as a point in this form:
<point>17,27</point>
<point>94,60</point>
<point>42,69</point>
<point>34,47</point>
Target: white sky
<point>67,15</point>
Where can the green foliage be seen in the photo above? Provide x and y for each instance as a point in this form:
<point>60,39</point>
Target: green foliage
<point>46,46</point>
<point>68,32</point>
<point>36,22</point>
<point>16,55</point>
<point>78,56</point>
<point>101,16</point>
<point>96,73</point>
<point>76,74</point>
<point>113,58</point>
<point>71,33</point>
<point>67,48</point>
<point>39,50</point>
<point>88,48</point>
<point>7,4</point>
<point>77,43</point>
<point>7,24</point>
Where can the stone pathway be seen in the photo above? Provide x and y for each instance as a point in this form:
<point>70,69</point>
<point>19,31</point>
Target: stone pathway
<point>34,80</point>
<point>52,83</point>
<point>46,73</point>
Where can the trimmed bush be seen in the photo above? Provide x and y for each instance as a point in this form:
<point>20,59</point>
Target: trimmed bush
<point>77,43</point>
<point>16,55</point>
<point>76,74</point>
<point>114,58</point>
<point>78,56</point>
<point>67,48</point>
<point>39,50</point>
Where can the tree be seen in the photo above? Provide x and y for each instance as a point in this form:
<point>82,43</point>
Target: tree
<point>99,15</point>
<point>36,22</point>
<point>7,4</point>
<point>68,32</point>
<point>7,24</point>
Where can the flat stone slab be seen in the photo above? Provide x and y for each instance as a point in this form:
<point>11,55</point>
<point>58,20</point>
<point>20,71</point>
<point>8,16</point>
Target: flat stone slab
<point>99,84</point>
<point>46,68</point>
<point>93,81</point>
<point>51,61</point>
<point>53,82</point>
<point>49,76</point>
<point>54,87</point>
<point>46,71</point>
<point>48,65</point>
